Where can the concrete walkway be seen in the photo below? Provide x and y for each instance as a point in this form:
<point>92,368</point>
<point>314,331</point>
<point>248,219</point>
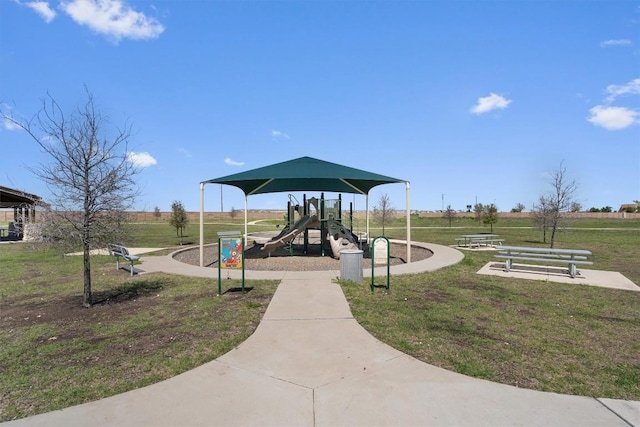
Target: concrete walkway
<point>309,363</point>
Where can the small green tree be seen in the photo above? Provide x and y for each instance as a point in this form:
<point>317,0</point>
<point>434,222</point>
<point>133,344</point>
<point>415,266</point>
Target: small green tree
<point>178,219</point>
<point>490,216</point>
<point>156,213</point>
<point>449,214</point>
<point>518,208</point>
<point>478,210</point>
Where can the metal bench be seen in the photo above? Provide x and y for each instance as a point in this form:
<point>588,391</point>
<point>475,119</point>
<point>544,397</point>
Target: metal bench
<point>570,257</point>
<point>120,251</point>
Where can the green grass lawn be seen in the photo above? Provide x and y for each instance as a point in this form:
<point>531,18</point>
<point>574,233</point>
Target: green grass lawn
<point>546,336</point>
<point>143,329</point>
<point>564,338</point>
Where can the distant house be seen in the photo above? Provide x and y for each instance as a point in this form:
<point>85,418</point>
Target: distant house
<point>628,207</point>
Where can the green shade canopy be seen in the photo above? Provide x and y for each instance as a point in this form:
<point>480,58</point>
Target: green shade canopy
<point>305,174</point>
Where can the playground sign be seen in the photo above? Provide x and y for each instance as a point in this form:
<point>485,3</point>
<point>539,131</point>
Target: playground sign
<point>230,254</point>
<point>381,251</point>
<point>380,243</point>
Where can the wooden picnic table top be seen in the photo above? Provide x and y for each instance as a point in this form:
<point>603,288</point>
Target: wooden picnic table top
<point>477,236</point>
<point>544,250</point>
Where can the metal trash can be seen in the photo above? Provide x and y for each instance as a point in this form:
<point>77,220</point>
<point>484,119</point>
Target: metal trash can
<point>351,265</point>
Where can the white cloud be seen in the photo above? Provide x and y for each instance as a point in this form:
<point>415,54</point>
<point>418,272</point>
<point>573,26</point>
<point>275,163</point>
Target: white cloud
<point>610,43</point>
<point>43,9</point>
<point>231,162</point>
<point>276,134</point>
<point>631,88</point>
<point>490,103</point>
<point>141,160</point>
<point>112,18</point>
<point>10,125</point>
<point>613,118</point>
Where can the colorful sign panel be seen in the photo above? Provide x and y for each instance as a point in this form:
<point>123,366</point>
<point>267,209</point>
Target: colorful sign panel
<point>231,253</point>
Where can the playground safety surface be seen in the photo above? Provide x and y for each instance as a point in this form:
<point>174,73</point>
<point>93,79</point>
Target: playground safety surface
<point>282,260</point>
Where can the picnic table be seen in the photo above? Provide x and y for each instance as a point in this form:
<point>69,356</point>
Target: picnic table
<point>570,257</point>
<point>478,239</point>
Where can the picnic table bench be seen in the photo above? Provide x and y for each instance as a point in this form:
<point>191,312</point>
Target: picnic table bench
<point>479,239</point>
<point>120,251</point>
<point>570,257</point>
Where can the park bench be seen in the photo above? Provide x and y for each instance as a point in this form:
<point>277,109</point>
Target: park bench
<point>570,257</point>
<point>478,240</point>
<point>120,251</point>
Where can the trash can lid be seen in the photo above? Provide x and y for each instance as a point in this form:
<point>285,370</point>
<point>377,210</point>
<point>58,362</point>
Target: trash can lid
<point>351,251</point>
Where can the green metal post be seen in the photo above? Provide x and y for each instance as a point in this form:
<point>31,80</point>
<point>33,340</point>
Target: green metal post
<point>219,268</point>
<point>243,261</point>
<point>305,210</point>
<point>351,216</point>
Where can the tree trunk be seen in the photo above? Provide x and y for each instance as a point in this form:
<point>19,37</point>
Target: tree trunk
<point>553,235</point>
<point>87,276</point>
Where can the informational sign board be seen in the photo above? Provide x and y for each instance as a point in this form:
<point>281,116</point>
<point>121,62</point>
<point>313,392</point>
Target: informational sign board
<point>231,252</point>
<point>381,251</point>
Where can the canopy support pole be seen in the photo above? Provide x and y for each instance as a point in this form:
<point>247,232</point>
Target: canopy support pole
<point>408,221</point>
<point>367,216</point>
<point>246,216</point>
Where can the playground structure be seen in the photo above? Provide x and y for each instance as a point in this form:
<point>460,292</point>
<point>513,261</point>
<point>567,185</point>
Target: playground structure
<point>305,174</point>
<point>326,217</point>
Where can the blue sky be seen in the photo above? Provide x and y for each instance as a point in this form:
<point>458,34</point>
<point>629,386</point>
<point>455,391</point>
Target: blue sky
<point>468,100</point>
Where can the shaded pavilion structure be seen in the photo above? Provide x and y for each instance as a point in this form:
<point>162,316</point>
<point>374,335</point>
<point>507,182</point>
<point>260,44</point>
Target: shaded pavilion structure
<point>24,209</point>
<point>305,174</point>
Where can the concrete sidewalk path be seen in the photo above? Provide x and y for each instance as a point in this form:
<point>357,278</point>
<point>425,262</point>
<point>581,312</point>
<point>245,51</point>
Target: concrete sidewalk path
<point>309,363</point>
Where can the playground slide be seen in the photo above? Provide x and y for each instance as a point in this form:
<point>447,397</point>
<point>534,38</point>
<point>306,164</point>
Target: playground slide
<point>340,238</point>
<point>288,234</point>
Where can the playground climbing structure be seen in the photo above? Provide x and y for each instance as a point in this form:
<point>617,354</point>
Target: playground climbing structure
<point>326,216</point>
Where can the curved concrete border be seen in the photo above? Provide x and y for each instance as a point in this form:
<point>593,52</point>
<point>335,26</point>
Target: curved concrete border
<point>443,256</point>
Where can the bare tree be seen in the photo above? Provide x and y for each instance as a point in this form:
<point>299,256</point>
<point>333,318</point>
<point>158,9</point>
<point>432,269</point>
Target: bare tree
<point>383,213</point>
<point>560,199</point>
<point>541,214</point>
<point>89,176</point>
<point>178,219</point>
<point>449,214</point>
